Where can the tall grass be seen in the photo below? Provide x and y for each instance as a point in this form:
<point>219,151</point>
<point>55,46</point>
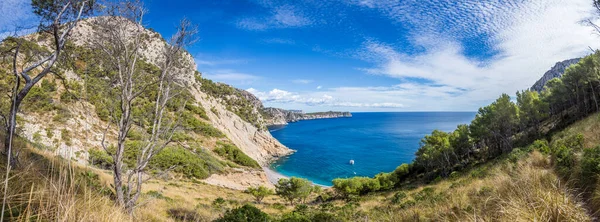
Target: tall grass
<point>46,188</point>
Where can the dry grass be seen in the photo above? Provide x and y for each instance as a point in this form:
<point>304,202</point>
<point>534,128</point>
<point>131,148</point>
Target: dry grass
<point>43,189</point>
<point>588,127</point>
<point>524,191</point>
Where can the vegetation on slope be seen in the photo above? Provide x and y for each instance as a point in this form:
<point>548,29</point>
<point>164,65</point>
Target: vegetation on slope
<point>233,100</point>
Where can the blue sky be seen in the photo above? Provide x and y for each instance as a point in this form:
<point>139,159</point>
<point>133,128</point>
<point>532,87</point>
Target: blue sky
<point>372,55</point>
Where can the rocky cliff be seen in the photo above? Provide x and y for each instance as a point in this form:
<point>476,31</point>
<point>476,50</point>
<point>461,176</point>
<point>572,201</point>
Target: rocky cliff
<point>276,116</point>
<point>72,129</point>
<point>556,71</point>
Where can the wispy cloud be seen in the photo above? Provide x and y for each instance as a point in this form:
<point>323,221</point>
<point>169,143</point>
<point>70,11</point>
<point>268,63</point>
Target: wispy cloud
<point>231,77</point>
<point>16,18</point>
<point>279,41</point>
<point>529,36</point>
<point>302,81</point>
<point>278,16</point>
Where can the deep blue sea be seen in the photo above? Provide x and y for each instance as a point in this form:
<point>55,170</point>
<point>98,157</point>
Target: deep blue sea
<point>377,142</point>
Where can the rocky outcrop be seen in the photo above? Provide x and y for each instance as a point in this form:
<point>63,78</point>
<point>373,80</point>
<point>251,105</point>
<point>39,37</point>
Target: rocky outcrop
<point>556,71</point>
<point>276,116</point>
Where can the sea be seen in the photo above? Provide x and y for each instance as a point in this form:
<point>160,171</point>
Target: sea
<point>376,142</point>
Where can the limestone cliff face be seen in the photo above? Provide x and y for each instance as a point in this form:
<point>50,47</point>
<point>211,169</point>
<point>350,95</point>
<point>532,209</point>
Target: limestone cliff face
<point>556,71</point>
<point>278,116</point>
<point>255,142</point>
<point>86,128</point>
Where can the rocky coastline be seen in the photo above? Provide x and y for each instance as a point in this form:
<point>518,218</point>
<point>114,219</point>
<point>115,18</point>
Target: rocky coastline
<point>279,116</point>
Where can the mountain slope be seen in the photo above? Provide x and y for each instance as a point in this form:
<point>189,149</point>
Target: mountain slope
<point>556,71</point>
<point>74,128</point>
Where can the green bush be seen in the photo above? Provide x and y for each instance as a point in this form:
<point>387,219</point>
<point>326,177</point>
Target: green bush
<point>590,166</point>
<point>65,135</point>
<point>398,197</point>
<point>356,186</point>
<point>100,159</point>
<point>231,152</point>
<point>192,123</point>
<point>198,110</point>
<point>386,180</point>
<point>294,188</point>
<point>259,193</point>
<point>191,165</point>
<point>401,172</point>
<point>72,92</point>
<point>246,213</point>
<point>563,156</point>
<point>541,145</point>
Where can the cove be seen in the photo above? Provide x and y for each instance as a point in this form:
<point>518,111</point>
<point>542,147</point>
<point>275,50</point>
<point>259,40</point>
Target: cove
<point>377,142</point>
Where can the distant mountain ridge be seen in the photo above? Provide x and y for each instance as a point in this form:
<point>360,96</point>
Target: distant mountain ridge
<point>556,71</point>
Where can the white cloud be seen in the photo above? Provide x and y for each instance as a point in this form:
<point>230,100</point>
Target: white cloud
<point>302,81</point>
<point>529,37</point>
<point>279,98</point>
<point>319,87</point>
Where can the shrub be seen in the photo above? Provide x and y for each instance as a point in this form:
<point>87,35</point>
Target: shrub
<point>541,145</point>
<point>386,180</point>
<point>182,214</point>
<point>293,188</point>
<point>590,166</point>
<point>192,123</point>
<point>259,193</point>
<point>189,164</point>
<point>231,152</point>
<point>398,197</point>
<point>65,135</point>
<point>401,172</point>
<point>246,213</point>
<point>72,92</point>
<point>563,157</point>
<point>427,195</point>
<point>218,202</point>
<point>198,110</point>
<point>100,159</point>
<point>355,186</point>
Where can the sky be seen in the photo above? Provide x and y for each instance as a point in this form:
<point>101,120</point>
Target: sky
<point>371,55</point>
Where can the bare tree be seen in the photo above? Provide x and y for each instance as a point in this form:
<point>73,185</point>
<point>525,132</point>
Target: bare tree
<point>121,39</point>
<point>58,17</point>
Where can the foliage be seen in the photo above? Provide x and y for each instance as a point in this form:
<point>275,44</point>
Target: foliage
<point>259,193</point>
<point>246,213</point>
<point>100,158</point>
<point>233,99</point>
<point>355,186</point>
<point>198,110</point>
<point>182,214</point>
<point>193,165</point>
<point>192,123</point>
<point>294,189</point>
<point>231,152</point>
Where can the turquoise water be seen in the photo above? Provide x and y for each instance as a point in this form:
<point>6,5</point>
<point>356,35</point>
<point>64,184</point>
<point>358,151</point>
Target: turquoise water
<point>377,142</point>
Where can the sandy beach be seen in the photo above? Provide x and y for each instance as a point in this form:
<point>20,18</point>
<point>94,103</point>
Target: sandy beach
<point>273,176</point>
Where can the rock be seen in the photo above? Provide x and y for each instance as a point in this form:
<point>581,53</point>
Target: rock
<point>556,71</point>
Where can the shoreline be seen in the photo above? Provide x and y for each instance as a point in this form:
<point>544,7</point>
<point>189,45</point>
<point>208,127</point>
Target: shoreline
<point>274,176</point>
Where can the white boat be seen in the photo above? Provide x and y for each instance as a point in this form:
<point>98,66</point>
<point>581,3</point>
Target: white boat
<point>351,162</point>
